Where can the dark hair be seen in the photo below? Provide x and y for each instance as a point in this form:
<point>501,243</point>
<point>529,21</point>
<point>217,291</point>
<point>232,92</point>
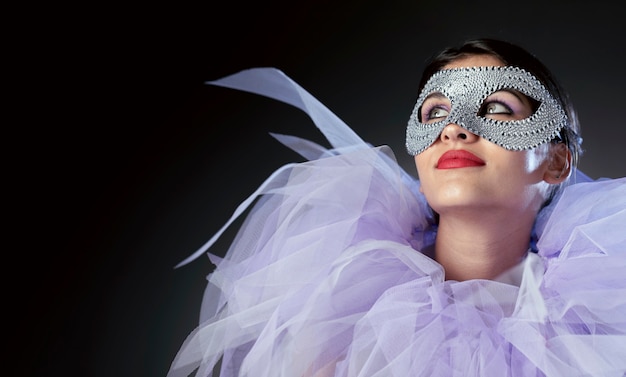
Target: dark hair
<point>514,55</point>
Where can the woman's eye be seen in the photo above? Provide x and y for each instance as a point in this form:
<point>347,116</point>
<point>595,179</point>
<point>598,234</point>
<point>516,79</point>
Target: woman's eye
<point>495,108</point>
<point>437,112</point>
<point>434,108</point>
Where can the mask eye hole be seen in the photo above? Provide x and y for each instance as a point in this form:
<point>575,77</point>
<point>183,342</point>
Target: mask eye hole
<point>508,104</point>
<point>435,107</point>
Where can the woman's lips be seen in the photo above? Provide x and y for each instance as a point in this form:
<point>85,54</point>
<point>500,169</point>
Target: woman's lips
<point>458,159</point>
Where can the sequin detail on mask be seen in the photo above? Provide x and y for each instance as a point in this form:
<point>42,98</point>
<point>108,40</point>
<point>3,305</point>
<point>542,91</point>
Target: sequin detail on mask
<point>467,89</point>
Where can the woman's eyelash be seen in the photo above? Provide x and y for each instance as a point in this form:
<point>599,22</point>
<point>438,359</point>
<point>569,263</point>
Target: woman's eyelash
<point>426,111</point>
<point>484,109</point>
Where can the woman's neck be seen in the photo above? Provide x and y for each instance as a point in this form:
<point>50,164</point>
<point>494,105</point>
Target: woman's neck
<point>481,247</point>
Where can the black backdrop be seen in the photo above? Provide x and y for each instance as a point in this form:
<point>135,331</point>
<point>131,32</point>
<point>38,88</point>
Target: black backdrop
<point>138,162</point>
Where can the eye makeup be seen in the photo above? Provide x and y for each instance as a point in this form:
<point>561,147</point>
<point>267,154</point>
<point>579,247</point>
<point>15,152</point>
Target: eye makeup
<point>435,102</point>
<point>517,105</point>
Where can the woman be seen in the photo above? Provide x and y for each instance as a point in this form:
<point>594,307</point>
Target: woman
<point>348,266</point>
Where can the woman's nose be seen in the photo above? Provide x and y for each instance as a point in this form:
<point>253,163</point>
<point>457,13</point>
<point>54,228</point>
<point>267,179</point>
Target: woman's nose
<point>454,132</point>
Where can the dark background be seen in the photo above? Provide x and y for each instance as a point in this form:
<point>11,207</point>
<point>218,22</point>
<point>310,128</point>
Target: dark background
<point>128,162</point>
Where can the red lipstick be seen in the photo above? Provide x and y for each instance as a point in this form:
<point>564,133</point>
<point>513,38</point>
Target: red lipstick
<point>458,159</point>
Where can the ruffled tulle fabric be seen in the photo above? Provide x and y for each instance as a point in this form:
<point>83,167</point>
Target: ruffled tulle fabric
<point>327,277</point>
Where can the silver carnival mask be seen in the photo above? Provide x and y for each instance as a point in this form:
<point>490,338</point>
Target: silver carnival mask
<point>467,88</point>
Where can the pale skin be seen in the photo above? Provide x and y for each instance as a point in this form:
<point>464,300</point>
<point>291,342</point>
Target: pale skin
<point>486,212</point>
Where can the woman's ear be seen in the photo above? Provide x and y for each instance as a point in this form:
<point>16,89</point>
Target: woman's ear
<point>559,164</point>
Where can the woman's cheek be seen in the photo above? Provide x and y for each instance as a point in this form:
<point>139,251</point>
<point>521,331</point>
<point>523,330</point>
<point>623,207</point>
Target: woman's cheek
<point>536,158</point>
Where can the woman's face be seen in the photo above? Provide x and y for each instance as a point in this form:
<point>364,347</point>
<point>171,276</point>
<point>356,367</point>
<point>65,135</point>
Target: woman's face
<point>461,170</point>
